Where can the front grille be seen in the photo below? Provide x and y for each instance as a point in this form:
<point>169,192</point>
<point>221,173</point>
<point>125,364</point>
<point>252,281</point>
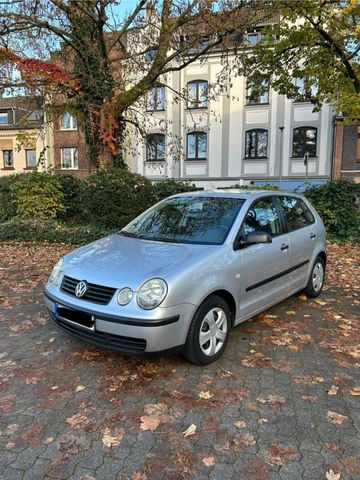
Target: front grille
<point>101,339</point>
<point>94,293</point>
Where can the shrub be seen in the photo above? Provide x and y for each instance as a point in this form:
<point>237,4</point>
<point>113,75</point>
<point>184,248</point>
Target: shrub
<point>166,188</point>
<point>336,203</point>
<point>111,198</point>
<point>51,231</point>
<point>8,203</point>
<point>38,195</point>
<point>70,188</point>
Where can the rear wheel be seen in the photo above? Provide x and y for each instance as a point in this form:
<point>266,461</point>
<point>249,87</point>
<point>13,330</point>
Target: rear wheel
<point>316,279</point>
<point>208,332</point>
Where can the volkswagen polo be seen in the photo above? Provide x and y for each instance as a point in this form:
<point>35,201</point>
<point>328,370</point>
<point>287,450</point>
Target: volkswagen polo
<point>185,272</point>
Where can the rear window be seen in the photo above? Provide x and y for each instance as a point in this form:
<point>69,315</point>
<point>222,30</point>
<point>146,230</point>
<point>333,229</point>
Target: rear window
<point>296,213</point>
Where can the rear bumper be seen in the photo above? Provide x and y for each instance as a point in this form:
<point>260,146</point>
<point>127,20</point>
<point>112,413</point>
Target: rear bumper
<point>124,334</point>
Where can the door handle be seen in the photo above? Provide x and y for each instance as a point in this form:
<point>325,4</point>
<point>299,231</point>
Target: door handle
<point>284,246</point>
<point>312,235</point>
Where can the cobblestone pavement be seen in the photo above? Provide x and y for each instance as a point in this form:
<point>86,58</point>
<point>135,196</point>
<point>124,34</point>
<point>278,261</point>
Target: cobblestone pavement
<point>282,403</point>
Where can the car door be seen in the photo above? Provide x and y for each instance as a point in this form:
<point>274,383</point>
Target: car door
<point>263,266</point>
<point>299,222</point>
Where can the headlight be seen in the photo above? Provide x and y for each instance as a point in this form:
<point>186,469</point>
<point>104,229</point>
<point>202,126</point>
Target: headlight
<point>124,296</point>
<point>56,274</point>
<point>151,293</point>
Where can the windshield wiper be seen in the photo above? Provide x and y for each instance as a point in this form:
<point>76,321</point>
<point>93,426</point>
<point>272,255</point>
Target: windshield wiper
<point>127,234</point>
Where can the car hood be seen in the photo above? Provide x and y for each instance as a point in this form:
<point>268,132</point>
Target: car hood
<point>119,261</point>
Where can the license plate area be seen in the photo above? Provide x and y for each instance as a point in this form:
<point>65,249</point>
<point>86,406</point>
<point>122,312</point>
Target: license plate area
<point>81,319</point>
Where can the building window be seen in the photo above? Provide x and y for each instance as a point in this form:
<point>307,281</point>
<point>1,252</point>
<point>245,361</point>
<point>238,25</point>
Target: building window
<point>150,55</point>
<point>257,92</point>
<point>306,92</point>
<point>196,146</point>
<point>197,92</point>
<point>256,143</point>
<point>8,158</point>
<point>69,158</point>
<point>68,122</point>
<point>155,147</point>
<point>253,38</point>
<point>156,99</point>
<point>304,141</point>
<point>36,115</point>
<point>4,118</point>
<point>31,159</point>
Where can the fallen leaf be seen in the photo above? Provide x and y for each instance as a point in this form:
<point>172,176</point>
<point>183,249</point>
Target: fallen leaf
<point>55,387</point>
<point>302,297</point>
<point>48,440</point>
<point>333,390</point>
<point>139,476</point>
<point>272,400</point>
<point>150,422</point>
<point>355,392</point>
<point>205,395</point>
<point>291,312</point>
<point>330,475</point>
<point>262,420</point>
<point>278,454</point>
<point>80,388</point>
<point>112,440</point>
<point>244,441</point>
<point>240,424</point>
<point>155,408</point>
<point>336,418</point>
<point>320,302</point>
<point>208,461</point>
<point>52,340</point>
<point>190,431</point>
<point>78,421</point>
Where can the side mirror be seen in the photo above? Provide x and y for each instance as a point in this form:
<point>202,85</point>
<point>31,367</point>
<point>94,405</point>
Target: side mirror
<point>252,239</point>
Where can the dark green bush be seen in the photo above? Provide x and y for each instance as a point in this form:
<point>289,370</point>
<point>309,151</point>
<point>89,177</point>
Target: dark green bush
<point>8,204</point>
<point>113,197</point>
<point>337,204</point>
<point>49,231</point>
<point>71,188</point>
<point>38,195</point>
<point>166,188</point>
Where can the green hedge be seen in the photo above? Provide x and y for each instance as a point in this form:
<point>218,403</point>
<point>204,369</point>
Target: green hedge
<point>108,200</point>
<point>338,205</point>
<point>50,231</point>
<point>166,188</point>
<point>112,198</point>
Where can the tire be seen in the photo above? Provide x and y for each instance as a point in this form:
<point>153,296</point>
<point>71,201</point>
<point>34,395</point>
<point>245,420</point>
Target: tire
<point>316,279</point>
<point>202,348</point>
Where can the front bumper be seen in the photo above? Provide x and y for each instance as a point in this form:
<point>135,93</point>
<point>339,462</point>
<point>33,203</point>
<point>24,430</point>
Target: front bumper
<point>125,334</point>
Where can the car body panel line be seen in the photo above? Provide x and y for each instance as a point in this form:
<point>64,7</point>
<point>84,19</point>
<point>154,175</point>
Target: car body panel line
<point>275,277</point>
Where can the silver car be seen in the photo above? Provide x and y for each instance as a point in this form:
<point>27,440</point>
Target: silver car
<point>181,275</point>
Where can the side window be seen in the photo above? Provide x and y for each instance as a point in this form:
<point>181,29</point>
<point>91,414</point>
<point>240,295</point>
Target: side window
<point>294,212</point>
<point>262,216</point>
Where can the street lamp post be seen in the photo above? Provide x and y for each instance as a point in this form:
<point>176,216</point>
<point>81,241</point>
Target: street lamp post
<point>281,154</point>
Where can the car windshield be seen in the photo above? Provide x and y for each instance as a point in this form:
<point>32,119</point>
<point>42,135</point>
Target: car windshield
<point>187,219</point>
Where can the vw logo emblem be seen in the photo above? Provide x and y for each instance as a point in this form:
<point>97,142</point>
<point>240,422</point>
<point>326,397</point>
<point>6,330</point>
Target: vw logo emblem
<point>81,288</point>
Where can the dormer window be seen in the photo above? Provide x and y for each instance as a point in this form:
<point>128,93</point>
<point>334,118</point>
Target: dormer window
<point>4,118</point>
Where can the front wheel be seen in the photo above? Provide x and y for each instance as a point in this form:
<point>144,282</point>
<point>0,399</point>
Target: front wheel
<point>316,279</point>
<point>208,332</point>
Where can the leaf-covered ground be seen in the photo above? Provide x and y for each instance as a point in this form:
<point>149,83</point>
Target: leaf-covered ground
<point>282,403</point>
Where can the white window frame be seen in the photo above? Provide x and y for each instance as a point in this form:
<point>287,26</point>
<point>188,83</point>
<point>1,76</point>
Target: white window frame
<point>27,150</point>
<point>74,157</point>
<point>73,122</point>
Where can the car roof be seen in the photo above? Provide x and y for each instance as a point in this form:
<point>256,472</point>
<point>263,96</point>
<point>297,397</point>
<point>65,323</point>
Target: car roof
<point>237,192</point>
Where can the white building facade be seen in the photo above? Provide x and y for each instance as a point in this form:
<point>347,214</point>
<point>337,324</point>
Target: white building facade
<point>235,136</point>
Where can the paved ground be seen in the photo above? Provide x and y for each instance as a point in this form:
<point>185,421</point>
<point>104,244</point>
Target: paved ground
<point>283,403</point>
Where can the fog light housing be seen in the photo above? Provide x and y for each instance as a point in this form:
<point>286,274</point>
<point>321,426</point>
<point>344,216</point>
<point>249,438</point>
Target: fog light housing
<point>124,296</point>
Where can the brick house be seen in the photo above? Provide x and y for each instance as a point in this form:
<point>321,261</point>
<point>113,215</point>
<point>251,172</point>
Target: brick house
<point>346,151</point>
